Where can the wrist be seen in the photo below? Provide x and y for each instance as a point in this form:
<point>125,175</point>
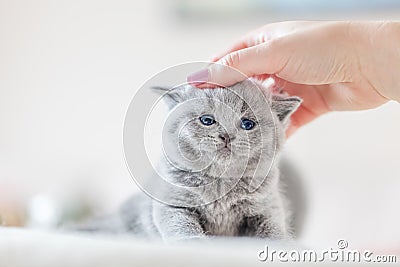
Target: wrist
<point>393,31</point>
<point>378,56</point>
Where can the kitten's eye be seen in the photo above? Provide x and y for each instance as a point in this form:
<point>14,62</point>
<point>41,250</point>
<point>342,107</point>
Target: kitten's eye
<point>207,120</point>
<point>247,124</point>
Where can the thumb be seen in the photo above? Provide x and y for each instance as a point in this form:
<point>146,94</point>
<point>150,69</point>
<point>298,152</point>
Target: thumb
<point>239,65</point>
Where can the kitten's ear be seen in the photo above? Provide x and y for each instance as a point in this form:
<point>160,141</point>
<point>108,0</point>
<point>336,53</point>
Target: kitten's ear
<point>171,96</point>
<point>285,106</point>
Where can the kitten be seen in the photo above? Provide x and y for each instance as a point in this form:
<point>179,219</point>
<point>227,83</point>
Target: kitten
<point>222,154</point>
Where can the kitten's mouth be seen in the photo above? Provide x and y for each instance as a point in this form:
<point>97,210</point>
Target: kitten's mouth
<point>225,150</point>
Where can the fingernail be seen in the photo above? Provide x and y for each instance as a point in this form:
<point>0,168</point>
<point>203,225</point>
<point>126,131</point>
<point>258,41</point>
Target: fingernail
<point>198,77</point>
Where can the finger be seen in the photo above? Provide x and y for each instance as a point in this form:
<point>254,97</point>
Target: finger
<point>313,96</point>
<point>262,35</point>
<point>299,118</point>
<point>241,44</point>
<point>239,65</point>
<point>253,38</point>
<point>312,107</point>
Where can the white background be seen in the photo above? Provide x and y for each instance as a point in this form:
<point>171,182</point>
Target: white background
<point>68,70</point>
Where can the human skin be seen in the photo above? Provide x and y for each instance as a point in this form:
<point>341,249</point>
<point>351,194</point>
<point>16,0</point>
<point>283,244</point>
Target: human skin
<point>331,65</point>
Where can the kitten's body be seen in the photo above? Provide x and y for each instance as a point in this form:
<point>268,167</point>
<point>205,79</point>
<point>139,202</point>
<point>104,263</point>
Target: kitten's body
<point>236,214</point>
<point>246,196</point>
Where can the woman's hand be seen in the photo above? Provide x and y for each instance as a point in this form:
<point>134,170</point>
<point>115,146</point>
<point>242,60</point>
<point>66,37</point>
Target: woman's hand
<point>331,65</point>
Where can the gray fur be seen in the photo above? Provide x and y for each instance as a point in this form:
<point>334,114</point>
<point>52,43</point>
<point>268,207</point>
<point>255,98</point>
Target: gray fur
<point>252,201</point>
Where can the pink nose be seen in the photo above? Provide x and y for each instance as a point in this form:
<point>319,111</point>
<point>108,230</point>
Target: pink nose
<point>224,137</point>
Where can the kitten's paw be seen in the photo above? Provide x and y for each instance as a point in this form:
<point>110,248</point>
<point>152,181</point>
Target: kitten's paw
<point>278,235</point>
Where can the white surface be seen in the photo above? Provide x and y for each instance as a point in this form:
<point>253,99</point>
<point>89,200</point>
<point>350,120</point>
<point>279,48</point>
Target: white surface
<point>33,248</point>
<point>19,247</point>
<point>68,70</point>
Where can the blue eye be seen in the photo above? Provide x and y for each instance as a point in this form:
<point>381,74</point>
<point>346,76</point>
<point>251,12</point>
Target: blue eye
<point>207,120</point>
<point>247,124</point>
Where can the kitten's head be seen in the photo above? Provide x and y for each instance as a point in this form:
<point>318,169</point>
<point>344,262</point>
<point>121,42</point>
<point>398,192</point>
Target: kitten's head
<point>223,131</point>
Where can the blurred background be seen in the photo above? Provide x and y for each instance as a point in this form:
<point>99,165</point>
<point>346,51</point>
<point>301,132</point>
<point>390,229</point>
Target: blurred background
<point>68,70</point>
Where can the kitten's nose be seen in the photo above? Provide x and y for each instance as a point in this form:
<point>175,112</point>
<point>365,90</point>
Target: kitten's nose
<point>224,137</point>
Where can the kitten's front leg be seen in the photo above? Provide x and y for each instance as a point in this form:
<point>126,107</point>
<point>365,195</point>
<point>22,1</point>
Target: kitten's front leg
<point>175,224</point>
<point>270,228</point>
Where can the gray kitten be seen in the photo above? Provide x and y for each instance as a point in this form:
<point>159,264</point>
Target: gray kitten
<point>222,159</point>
